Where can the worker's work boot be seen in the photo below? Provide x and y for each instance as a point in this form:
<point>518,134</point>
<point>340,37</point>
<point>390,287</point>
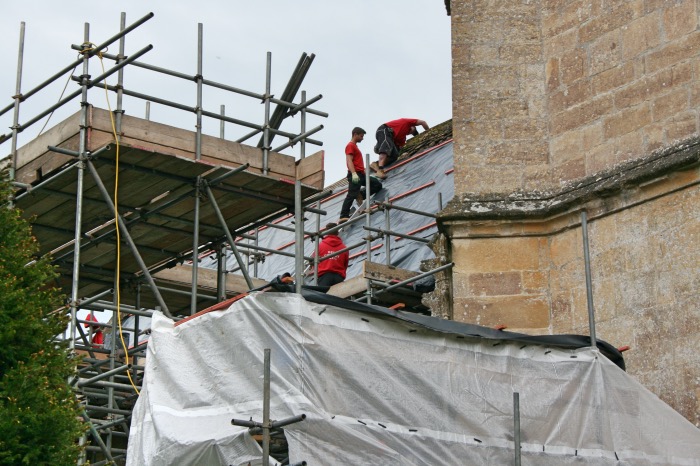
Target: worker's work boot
<point>360,199</point>
<point>374,166</point>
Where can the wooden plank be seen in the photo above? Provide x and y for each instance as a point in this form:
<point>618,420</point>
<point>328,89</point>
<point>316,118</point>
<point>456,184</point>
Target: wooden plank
<point>182,274</point>
<point>56,135</point>
<point>386,273</point>
<point>149,134</point>
<point>349,287</point>
<point>309,168</point>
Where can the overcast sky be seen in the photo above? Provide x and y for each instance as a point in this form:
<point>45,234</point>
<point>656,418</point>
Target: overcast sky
<point>375,60</point>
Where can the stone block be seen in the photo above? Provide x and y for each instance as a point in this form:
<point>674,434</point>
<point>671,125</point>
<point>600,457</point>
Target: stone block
<point>680,18</point>
<point>613,19</point>
<point>580,115</point>
<point>551,71</point>
<point>681,126</point>
<point>671,53</point>
<point>614,78</point>
<point>572,65</point>
<point>576,93</point>
<point>495,284</point>
<point>641,35</point>
<point>567,17</point>
<point>555,46</point>
<point>626,121</point>
<point>604,53</point>
<point>514,312</point>
<point>670,104</point>
<point>498,255</point>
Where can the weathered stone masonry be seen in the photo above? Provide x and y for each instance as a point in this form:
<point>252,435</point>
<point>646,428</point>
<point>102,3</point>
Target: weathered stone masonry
<point>562,106</point>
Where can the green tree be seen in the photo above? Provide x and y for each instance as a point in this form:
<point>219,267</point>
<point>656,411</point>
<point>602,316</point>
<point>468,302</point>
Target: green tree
<point>39,414</point>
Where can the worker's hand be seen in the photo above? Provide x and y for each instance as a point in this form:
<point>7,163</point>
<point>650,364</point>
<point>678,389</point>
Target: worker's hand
<point>355,178</point>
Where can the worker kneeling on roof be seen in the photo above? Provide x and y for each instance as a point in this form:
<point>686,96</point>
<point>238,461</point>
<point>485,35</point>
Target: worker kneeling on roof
<point>331,270</point>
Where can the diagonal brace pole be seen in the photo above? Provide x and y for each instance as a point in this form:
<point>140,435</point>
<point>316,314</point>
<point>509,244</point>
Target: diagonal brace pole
<point>129,240</point>
<point>229,237</point>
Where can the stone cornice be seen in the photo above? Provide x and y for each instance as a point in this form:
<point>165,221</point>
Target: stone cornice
<point>543,204</point>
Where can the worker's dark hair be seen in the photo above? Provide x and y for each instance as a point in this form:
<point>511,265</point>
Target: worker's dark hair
<point>328,227</point>
<point>358,130</point>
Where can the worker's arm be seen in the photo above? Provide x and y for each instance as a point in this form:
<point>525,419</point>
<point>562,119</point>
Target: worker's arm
<point>423,124</point>
<point>348,162</point>
<point>351,168</point>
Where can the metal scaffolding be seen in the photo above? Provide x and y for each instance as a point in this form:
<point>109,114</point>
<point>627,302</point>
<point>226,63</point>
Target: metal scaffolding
<point>195,209</point>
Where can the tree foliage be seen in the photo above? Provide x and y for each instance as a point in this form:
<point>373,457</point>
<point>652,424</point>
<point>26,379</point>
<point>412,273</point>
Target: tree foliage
<point>39,414</point>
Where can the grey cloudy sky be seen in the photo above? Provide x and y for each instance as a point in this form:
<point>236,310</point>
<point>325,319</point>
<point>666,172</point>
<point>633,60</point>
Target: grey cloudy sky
<point>376,60</point>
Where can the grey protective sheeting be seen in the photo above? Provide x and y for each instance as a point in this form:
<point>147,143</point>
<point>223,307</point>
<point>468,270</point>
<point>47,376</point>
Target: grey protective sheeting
<point>380,391</point>
<point>433,169</point>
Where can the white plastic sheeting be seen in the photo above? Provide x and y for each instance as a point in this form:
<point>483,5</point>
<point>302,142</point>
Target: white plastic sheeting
<point>379,391</point>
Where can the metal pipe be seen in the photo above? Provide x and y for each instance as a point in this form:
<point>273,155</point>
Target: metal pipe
<point>406,209</point>
<point>302,149</point>
<point>75,277</point>
<point>298,238</point>
<point>368,222</point>
<point>18,99</point>
<point>266,126</point>
<point>195,248</point>
<point>395,233</point>
<point>104,375</point>
<point>317,240</point>
<point>589,285</point>
<point>77,62</point>
<point>222,123</point>
<point>229,237</point>
<point>516,427</point>
<point>387,236</point>
<point>266,410</point>
<point>298,138</point>
<point>97,297</point>
<point>413,279</point>
<point>120,78</point>
<point>103,448</point>
<point>129,240</point>
<point>71,96</point>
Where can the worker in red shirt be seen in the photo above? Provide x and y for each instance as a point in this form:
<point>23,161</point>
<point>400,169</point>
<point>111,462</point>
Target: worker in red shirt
<point>98,337</point>
<point>356,174</point>
<point>391,136</point>
<point>332,270</point>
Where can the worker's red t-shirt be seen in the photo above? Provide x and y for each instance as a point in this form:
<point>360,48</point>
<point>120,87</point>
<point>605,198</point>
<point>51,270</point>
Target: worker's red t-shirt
<point>98,338</point>
<point>402,128</point>
<point>336,264</point>
<point>352,149</point>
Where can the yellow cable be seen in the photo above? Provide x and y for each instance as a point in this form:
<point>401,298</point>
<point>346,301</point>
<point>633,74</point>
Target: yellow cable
<point>116,226</point>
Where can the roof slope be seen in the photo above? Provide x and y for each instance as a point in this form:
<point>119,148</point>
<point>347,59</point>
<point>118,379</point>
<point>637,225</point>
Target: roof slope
<point>421,175</point>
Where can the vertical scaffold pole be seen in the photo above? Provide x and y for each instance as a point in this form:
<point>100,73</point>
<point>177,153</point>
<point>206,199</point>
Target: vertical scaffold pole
<point>222,123</point>
<point>266,126</point>
<point>82,149</point>
<point>368,224</point>
<point>317,240</point>
<point>266,409</point>
<point>303,125</point>
<point>516,427</point>
<point>299,240</point>
<point>120,76</point>
<point>18,100</point>
<point>197,156</point>
<point>589,285</point>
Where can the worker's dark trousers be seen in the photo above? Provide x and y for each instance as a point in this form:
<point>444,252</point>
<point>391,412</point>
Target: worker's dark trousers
<point>354,189</point>
<point>330,279</point>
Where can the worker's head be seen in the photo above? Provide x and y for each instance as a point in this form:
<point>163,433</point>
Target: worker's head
<point>329,226</point>
<point>414,130</point>
<point>358,134</point>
